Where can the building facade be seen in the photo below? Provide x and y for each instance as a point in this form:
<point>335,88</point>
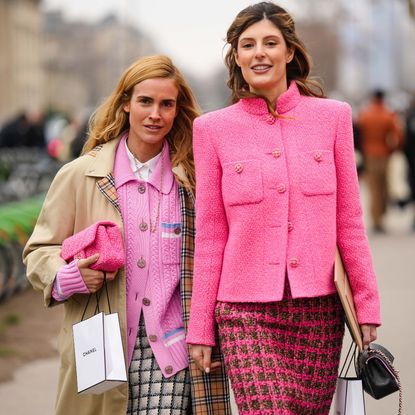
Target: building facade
<point>84,60</point>
<point>21,74</point>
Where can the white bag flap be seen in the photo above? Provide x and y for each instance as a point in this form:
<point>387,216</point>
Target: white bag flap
<point>88,336</point>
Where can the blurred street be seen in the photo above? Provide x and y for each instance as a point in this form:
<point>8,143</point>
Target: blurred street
<point>34,385</point>
<point>60,60</point>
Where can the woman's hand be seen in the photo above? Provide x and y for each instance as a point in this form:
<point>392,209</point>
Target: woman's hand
<point>202,356</point>
<point>93,278</point>
<point>369,333</point>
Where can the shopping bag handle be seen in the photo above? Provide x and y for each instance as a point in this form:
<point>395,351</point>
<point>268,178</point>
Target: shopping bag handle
<point>98,298</point>
<point>99,293</point>
<point>348,360</point>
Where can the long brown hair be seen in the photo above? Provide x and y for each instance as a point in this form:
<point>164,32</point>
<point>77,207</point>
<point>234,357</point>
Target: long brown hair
<point>298,69</point>
<point>110,120</point>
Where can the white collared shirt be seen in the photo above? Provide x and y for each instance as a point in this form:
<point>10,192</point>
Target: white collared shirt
<point>142,171</point>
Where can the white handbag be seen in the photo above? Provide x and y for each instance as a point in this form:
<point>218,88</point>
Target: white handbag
<point>99,355</point>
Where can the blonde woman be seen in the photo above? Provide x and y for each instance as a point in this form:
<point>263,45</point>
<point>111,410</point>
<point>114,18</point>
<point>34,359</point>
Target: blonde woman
<point>137,171</point>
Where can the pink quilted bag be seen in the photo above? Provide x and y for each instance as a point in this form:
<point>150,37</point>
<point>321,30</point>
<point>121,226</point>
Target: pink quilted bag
<point>103,238</point>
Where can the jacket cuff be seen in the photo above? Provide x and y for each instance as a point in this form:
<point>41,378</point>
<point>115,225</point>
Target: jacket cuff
<point>196,339</point>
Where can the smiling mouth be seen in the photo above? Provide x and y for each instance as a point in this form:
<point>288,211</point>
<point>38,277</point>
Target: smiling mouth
<point>261,68</point>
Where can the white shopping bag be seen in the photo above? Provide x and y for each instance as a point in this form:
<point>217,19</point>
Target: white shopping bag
<point>349,399</point>
<point>99,356</point>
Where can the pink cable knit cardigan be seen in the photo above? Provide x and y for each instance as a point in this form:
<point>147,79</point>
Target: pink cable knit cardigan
<point>153,289</point>
<point>274,196</point>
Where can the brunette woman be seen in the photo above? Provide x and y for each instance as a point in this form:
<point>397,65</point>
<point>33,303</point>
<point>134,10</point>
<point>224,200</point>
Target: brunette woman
<point>277,190</point>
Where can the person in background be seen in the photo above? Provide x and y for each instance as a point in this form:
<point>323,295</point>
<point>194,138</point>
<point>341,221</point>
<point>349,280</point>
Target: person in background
<point>409,150</point>
<point>277,191</point>
<point>380,135</point>
<point>137,171</point>
<point>358,150</point>
<point>13,132</point>
<point>24,130</point>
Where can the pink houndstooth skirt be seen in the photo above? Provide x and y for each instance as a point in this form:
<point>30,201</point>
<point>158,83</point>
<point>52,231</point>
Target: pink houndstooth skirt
<point>282,357</point>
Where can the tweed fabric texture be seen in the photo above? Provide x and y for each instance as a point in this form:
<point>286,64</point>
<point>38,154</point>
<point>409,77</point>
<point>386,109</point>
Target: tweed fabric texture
<point>210,393</point>
<point>102,237</point>
<point>277,195</point>
<point>282,357</point>
<point>150,393</point>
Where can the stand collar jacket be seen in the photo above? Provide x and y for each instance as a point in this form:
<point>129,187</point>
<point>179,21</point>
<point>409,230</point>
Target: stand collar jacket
<point>275,195</point>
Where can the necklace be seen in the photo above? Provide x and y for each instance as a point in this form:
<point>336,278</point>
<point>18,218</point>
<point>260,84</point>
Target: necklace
<point>153,224</point>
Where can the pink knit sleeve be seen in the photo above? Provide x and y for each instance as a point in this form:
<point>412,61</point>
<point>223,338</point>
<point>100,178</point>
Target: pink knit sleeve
<point>211,236</point>
<point>351,236</point>
<point>68,281</point>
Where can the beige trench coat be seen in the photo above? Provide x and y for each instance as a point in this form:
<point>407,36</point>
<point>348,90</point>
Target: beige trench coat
<point>73,203</point>
<point>81,194</point>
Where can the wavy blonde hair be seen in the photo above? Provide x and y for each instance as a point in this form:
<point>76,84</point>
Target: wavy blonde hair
<point>110,120</point>
<point>298,69</point>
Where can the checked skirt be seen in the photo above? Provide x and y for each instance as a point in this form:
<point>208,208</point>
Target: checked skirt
<point>149,392</point>
<point>282,357</point>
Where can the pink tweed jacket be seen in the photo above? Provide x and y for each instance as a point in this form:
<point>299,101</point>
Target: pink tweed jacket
<point>274,196</point>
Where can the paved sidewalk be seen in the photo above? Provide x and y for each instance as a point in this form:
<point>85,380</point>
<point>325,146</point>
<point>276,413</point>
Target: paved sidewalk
<point>33,389</point>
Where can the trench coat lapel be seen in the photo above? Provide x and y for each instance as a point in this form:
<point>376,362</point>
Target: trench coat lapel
<point>106,186</point>
<point>101,167</point>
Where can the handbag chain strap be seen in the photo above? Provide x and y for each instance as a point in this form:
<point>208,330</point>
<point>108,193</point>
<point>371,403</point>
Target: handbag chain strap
<point>394,372</point>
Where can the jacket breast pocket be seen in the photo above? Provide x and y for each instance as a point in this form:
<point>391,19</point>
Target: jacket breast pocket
<point>171,238</point>
<point>318,172</point>
<point>242,182</point>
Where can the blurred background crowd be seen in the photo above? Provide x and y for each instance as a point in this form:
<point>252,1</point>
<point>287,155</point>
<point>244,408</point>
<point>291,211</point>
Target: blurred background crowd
<point>59,59</point>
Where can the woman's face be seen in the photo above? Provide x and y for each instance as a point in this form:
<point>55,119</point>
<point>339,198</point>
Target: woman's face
<point>262,55</point>
<point>152,110</point>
